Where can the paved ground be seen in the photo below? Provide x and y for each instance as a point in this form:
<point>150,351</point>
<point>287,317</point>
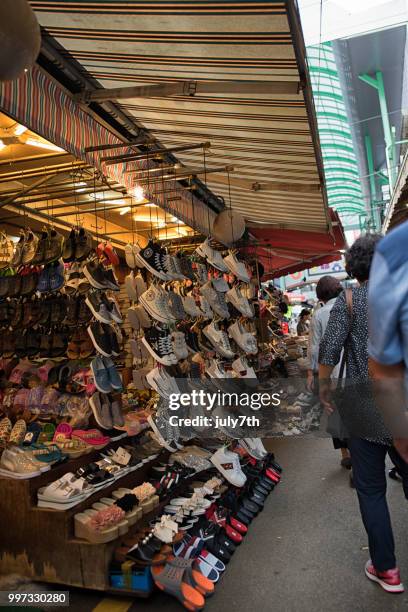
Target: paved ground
<point>306,550</point>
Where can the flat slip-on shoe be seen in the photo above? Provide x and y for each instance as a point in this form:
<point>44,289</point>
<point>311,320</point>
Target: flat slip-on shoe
<point>251,506</point>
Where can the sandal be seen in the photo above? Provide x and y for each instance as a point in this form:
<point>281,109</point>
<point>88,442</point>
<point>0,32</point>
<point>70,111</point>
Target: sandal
<point>63,432</point>
<point>93,437</point>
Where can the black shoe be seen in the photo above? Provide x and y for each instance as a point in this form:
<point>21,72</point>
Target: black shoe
<point>100,338</point>
<point>68,253</point>
<point>152,257</point>
<point>113,340</point>
<point>97,306</point>
<point>95,274</point>
<point>394,474</point>
<point>111,281</point>
<point>83,245</point>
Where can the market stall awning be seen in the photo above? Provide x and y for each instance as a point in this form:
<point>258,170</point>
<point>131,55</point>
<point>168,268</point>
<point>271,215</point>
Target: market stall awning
<point>283,252</point>
<point>232,73</point>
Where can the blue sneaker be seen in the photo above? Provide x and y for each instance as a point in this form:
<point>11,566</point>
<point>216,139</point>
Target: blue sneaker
<point>100,375</point>
<point>114,377</point>
<point>44,281</point>
<point>56,276</point>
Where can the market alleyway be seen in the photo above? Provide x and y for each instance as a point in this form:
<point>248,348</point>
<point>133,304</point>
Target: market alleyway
<point>307,548</point>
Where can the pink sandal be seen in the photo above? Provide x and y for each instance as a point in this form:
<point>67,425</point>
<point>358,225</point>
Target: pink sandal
<point>93,437</point>
<point>63,432</point>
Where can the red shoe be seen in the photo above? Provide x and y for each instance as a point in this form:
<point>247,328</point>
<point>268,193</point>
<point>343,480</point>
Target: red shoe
<point>240,527</point>
<point>232,534</point>
<point>110,254</point>
<point>389,580</point>
<point>272,475</point>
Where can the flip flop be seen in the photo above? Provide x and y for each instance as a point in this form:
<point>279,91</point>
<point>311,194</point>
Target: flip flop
<point>32,433</point>
<point>63,432</point>
<point>170,579</point>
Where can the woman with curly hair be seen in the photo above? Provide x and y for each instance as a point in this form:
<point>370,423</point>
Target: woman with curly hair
<point>368,439</point>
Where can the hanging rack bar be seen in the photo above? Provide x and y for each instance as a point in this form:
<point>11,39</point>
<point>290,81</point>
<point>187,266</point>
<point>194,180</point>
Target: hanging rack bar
<point>60,222</point>
<point>10,199</point>
<point>155,170</point>
<point>119,145</point>
<point>187,173</point>
<point>153,154</point>
<point>70,194</point>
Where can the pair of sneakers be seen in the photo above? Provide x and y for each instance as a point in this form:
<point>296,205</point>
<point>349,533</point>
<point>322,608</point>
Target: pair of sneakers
<point>105,374</point>
<point>103,308</point>
<point>107,410</point>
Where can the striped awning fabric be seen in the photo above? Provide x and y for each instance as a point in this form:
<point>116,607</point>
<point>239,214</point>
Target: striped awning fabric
<point>270,140</point>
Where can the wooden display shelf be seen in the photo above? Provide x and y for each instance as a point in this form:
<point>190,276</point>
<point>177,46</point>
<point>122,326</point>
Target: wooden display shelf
<point>39,543</point>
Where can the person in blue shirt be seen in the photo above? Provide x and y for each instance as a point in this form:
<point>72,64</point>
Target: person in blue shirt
<point>388,366</point>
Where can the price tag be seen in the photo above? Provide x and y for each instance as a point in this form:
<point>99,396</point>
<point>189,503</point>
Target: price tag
<point>121,456</point>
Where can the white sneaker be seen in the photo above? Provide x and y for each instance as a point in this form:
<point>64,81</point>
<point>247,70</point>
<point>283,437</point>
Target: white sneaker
<point>244,339</point>
<point>217,370</point>
<point>191,307</point>
<point>205,308</point>
<point>154,300</point>
<point>227,463</point>
<point>237,267</point>
<point>219,340</point>
<point>212,256</point>
<point>179,345</point>
<point>240,302</point>
<point>254,447</point>
<point>241,367</point>
<point>216,300</point>
<point>220,284</point>
<point>162,382</point>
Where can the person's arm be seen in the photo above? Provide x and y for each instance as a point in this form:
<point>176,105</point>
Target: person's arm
<point>331,346</point>
<point>390,395</point>
<point>385,347</point>
<point>315,335</point>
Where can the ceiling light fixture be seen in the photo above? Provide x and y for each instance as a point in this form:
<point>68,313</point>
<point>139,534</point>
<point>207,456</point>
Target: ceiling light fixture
<point>20,129</point>
<point>42,145</point>
<point>2,145</point>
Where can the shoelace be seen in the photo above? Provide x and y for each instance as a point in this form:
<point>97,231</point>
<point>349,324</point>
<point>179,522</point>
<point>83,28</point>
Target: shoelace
<point>224,340</point>
<point>163,345</point>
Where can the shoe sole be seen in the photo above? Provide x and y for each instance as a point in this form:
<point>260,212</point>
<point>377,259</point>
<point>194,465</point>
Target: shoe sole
<point>96,345</point>
<point>96,313</point>
<point>390,588</point>
<point>157,273</point>
<point>17,475</point>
